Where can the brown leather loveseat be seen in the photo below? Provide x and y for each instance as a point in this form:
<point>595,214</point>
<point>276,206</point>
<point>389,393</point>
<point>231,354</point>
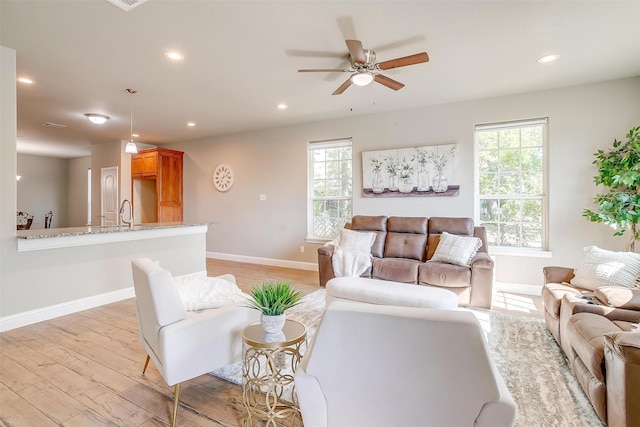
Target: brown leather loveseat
<point>597,332</point>
<point>402,251</point>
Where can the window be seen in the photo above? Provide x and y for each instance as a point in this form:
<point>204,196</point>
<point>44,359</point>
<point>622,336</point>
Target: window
<point>511,186</point>
<point>330,188</point>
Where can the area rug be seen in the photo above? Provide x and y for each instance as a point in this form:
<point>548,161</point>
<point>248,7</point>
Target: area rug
<point>528,358</point>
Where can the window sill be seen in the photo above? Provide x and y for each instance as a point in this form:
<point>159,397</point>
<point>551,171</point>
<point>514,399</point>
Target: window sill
<point>519,252</point>
<point>317,240</point>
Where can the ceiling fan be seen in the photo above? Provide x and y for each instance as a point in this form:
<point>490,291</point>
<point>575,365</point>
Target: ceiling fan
<point>364,69</point>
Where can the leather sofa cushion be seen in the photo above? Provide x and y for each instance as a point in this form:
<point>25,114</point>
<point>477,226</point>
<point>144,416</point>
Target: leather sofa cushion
<point>459,226</point>
<point>442,274</point>
<point>405,245</point>
<point>619,297</point>
<point>372,223</point>
<point>414,225</point>
<point>585,333</point>
<point>395,269</point>
<point>406,238</point>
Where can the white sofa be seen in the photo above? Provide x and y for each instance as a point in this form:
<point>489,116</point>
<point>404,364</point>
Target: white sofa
<point>372,365</point>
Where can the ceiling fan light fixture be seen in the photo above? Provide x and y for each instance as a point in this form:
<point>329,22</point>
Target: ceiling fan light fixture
<point>362,78</point>
<point>97,119</point>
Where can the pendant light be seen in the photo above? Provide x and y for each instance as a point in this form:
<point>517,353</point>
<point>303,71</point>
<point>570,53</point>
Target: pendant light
<point>131,147</point>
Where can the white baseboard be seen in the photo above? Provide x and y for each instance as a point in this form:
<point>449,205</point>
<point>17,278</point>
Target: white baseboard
<point>264,261</point>
<point>518,288</point>
<point>39,315</point>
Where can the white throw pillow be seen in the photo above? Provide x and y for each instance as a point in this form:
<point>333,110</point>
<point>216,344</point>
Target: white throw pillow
<point>456,249</point>
<point>359,241</point>
<point>607,268</point>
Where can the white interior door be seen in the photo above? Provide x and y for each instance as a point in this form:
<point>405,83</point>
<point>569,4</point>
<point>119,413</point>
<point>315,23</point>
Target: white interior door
<point>109,192</point>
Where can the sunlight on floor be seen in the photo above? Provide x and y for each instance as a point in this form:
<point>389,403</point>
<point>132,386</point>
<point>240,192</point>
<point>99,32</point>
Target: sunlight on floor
<point>514,302</point>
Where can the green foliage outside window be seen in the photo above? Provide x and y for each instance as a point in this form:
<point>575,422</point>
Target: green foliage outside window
<point>619,170</point>
<point>332,190</point>
<point>511,181</point>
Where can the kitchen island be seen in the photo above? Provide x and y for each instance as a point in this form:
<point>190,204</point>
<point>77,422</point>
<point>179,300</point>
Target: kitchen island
<point>54,272</point>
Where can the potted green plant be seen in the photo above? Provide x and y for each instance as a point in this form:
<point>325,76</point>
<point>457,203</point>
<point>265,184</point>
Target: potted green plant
<point>272,298</point>
<point>619,171</point>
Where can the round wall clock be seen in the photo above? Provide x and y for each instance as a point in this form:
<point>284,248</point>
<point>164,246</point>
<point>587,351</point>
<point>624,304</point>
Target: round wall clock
<point>223,177</point>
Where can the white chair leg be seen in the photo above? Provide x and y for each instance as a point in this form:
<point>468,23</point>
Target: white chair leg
<point>176,395</point>
<point>146,363</point>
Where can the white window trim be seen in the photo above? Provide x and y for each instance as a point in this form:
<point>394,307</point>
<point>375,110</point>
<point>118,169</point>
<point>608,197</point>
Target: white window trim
<point>339,142</point>
<point>507,250</point>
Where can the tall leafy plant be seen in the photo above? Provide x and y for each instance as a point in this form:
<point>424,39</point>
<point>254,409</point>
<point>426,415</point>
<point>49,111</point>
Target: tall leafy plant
<point>619,171</point>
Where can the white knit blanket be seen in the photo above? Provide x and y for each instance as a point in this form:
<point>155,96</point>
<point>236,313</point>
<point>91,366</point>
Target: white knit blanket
<point>350,263</point>
<point>199,292</point>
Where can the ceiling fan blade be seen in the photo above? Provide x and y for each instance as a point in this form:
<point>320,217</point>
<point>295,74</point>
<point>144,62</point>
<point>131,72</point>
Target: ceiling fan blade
<point>342,87</point>
<point>356,51</point>
<point>324,70</point>
<point>418,58</point>
<point>386,81</point>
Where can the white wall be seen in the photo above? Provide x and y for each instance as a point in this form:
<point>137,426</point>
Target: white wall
<point>77,197</point>
<point>43,188</point>
<point>582,119</point>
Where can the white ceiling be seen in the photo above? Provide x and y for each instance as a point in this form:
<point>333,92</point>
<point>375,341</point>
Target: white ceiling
<point>241,60</point>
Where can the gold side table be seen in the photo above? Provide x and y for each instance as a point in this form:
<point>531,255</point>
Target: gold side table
<point>268,364</point>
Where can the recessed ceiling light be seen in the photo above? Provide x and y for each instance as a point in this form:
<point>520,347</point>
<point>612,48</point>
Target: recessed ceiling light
<point>191,124</point>
<point>174,56</point>
<point>135,135</point>
<point>26,80</point>
<point>548,58</point>
<point>282,106</point>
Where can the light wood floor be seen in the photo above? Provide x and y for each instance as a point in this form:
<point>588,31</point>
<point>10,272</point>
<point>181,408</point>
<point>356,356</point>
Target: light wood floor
<point>85,369</point>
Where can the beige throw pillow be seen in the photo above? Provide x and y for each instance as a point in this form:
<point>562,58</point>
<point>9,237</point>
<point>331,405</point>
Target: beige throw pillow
<point>454,249</point>
<point>607,268</point>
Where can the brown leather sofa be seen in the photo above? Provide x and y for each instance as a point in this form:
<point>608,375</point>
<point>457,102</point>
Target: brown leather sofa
<point>402,251</point>
<point>594,329</point>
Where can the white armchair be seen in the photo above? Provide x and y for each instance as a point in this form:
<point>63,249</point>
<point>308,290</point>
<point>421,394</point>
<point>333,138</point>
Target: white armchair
<point>184,345</point>
<point>372,365</point>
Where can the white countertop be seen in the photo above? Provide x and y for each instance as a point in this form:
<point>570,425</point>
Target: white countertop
<point>52,238</point>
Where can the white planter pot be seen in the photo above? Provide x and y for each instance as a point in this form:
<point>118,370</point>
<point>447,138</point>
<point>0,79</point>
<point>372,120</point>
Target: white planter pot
<point>273,324</point>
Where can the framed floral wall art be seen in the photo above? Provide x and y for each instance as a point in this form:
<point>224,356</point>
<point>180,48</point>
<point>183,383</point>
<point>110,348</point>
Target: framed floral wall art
<point>432,170</point>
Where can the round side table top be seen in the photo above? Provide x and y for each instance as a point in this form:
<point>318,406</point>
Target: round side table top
<point>292,333</point>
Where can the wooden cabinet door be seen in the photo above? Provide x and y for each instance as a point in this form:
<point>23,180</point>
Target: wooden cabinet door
<point>170,187</point>
<point>136,166</point>
<point>150,164</point>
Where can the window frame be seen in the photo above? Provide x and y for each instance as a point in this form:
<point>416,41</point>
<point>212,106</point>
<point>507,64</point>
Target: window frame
<point>544,196</point>
<point>311,146</point>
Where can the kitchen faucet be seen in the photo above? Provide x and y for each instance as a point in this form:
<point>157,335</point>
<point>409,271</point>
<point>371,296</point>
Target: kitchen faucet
<point>130,222</point>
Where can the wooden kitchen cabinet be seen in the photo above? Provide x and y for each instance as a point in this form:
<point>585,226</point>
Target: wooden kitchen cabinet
<point>156,185</point>
<point>145,164</point>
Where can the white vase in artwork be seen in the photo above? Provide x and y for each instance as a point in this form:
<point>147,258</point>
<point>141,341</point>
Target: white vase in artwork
<point>273,324</point>
<point>406,186</point>
<point>393,182</point>
<point>423,178</point>
<point>440,183</point>
<point>377,184</point>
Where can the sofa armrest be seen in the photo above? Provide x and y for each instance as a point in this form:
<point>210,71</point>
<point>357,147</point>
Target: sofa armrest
<point>325,267</point>
<point>481,280</point>
<point>622,365</point>
<point>481,260</point>
<point>554,274</point>
<point>619,297</point>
